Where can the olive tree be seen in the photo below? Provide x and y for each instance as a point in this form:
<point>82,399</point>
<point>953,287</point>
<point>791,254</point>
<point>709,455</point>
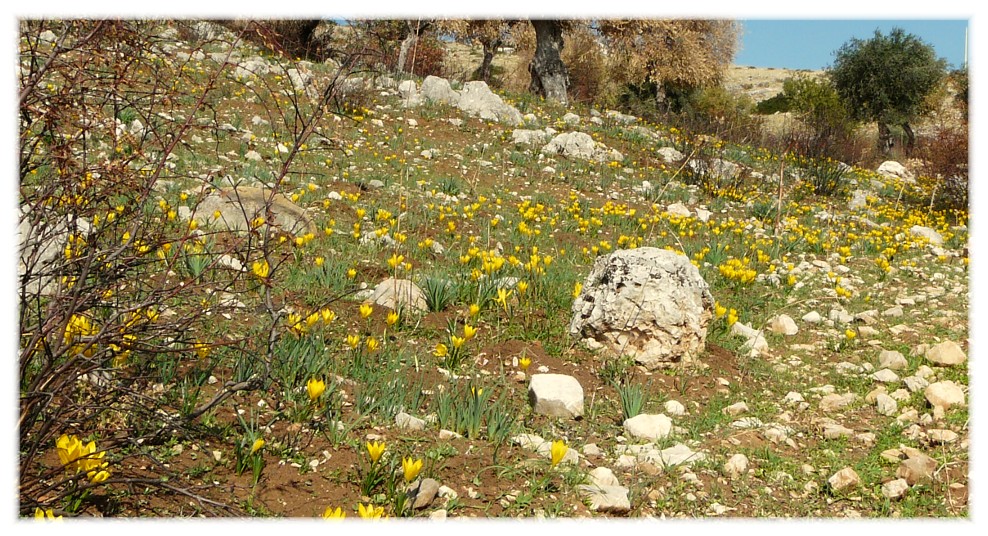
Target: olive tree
<point>886,79</point>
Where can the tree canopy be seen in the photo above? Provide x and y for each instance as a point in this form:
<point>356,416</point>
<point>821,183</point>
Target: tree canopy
<point>887,78</point>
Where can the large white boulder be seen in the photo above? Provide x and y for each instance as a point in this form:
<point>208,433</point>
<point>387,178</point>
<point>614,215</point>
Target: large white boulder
<point>437,89</point>
<point>580,145</point>
<point>647,303</point>
<point>478,100</point>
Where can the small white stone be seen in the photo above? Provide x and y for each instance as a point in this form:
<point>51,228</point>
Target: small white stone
<point>892,359</point>
<point>895,489</point>
<point>812,317</point>
<point>650,427</point>
<point>783,324</point>
<point>886,405</point>
<point>940,436</point>
<point>885,376</point>
<point>675,408</point>
<point>736,466</point>
<point>843,479</point>
<point>945,394</point>
<point>735,409</point>
<point>946,353</point>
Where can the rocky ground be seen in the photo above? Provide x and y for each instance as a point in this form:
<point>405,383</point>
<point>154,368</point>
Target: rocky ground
<point>826,351</point>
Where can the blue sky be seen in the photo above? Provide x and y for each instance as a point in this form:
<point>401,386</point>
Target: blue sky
<point>810,44</point>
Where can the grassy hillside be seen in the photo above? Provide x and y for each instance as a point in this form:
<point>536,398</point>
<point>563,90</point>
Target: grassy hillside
<point>177,346</point>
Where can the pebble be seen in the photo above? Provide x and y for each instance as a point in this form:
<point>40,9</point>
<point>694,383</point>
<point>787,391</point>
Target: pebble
<point>939,436</point>
<point>783,324</point>
<point>885,376</point>
<point>944,394</point>
<point>675,408</point>
<point>647,426</point>
<point>886,405</point>
<point>946,353</point>
<point>736,466</point>
<point>892,359</point>
<point>735,409</point>
<point>843,479</point>
<point>895,489</point>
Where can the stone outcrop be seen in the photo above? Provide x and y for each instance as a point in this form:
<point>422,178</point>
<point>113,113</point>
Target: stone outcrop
<point>648,303</point>
<point>238,207</point>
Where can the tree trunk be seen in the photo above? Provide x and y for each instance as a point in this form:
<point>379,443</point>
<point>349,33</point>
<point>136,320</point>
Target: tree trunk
<point>549,76</point>
<point>406,44</point>
<point>910,138</point>
<point>484,72</point>
<point>885,142</point>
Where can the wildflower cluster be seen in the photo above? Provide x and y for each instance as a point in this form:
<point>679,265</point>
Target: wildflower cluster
<point>453,352</point>
<point>737,271</point>
<point>79,457</point>
<point>299,325</point>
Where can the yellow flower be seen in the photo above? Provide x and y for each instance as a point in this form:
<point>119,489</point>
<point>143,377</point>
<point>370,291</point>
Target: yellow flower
<point>370,511</point>
<point>351,273</point>
<point>78,457</point>
<point>69,449</point>
<point>319,261</point>
<point>353,340</point>
<point>457,341</point>
<point>411,468</point>
<point>261,268</point>
<point>440,350</point>
<point>365,310</point>
<point>327,315</point>
<point>732,317</point>
<point>372,344</point>
<point>502,298</point>
<point>558,451</point>
<point>850,334</point>
<point>522,287</point>
<point>258,443</point>
<point>395,260</point>
<point>469,331</point>
<point>330,513</point>
<point>42,515</point>
<point>719,310</point>
<point>202,349</point>
<point>315,388</point>
<point>392,318</point>
<point>375,450</point>
<point>577,288</point>
<point>524,361</point>
<point>474,309</point>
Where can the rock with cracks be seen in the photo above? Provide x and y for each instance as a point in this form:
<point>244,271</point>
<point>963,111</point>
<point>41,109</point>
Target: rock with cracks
<point>647,303</point>
<point>580,145</point>
<point>556,395</point>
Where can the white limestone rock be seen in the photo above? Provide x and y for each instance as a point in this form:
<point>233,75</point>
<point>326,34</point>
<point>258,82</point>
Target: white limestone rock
<point>556,395</point>
<point>647,303</point>
<point>651,427</point>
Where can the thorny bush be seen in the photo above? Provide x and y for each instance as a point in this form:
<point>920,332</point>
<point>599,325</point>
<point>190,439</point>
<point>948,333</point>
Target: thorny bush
<point>112,346</point>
